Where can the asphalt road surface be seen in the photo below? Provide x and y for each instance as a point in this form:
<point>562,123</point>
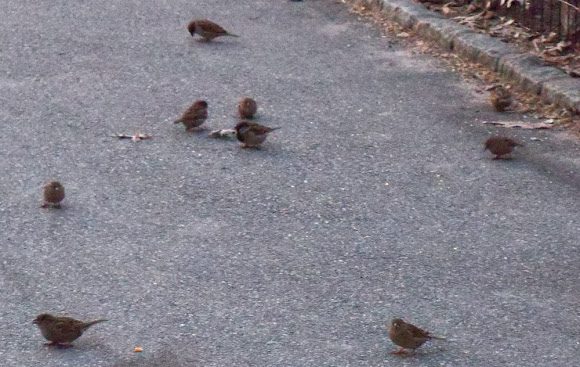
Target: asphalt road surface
<point>374,200</point>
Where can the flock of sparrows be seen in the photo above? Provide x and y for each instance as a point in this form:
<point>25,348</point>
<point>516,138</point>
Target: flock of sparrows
<point>62,331</point>
<point>251,134</point>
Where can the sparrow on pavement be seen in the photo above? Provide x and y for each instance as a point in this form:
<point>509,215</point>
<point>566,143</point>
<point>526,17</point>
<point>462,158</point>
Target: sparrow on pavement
<point>500,98</point>
<point>252,134</point>
<point>207,30</point>
<point>61,331</point>
<point>53,194</point>
<point>408,336</point>
<point>501,145</point>
<point>247,108</point>
<point>194,116</point>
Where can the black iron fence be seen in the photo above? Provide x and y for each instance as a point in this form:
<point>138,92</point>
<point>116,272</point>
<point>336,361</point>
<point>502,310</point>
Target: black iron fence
<point>545,16</point>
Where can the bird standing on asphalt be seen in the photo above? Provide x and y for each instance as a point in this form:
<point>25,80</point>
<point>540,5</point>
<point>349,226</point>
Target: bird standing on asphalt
<point>501,145</point>
<point>194,116</point>
<point>408,336</point>
<point>252,134</point>
<point>53,194</point>
<point>500,98</point>
<point>207,30</point>
<point>247,108</point>
<point>61,331</point>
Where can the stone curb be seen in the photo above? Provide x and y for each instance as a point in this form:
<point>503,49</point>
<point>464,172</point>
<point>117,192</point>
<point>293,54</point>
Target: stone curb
<point>523,69</point>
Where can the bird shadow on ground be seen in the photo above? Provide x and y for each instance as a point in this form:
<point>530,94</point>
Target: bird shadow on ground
<point>429,351</point>
<point>163,359</point>
<point>215,44</point>
<point>268,149</point>
<point>78,348</point>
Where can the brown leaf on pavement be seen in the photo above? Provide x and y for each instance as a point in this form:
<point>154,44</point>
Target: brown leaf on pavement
<point>521,125</point>
<point>135,137</point>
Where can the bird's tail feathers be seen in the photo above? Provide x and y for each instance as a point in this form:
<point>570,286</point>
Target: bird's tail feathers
<point>231,35</point>
<point>91,323</point>
<point>274,128</point>
<point>437,337</point>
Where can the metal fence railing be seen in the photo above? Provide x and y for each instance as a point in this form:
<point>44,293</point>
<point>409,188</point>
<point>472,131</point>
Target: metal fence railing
<point>545,16</point>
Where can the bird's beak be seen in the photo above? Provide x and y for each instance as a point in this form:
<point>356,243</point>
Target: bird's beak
<point>35,321</point>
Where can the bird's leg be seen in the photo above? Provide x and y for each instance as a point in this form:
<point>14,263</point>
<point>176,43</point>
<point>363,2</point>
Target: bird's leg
<point>497,157</point>
<point>44,205</point>
<point>400,351</point>
<point>59,345</point>
<point>56,206</point>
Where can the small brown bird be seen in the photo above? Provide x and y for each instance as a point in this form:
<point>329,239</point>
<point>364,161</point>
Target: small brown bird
<point>207,30</point>
<point>53,194</point>
<point>407,335</point>
<point>247,108</point>
<point>500,98</point>
<point>194,116</point>
<point>500,145</point>
<point>252,134</point>
<point>61,331</point>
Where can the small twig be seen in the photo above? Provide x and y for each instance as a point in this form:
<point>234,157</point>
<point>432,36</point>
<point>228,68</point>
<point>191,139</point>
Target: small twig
<point>570,5</point>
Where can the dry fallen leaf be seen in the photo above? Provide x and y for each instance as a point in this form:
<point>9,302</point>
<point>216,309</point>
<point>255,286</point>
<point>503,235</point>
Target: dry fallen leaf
<point>472,8</point>
<point>488,14</point>
<point>136,137</point>
<point>474,21</point>
<point>521,125</point>
<point>535,43</point>
<point>223,133</point>
<point>446,10</point>
<point>551,38</point>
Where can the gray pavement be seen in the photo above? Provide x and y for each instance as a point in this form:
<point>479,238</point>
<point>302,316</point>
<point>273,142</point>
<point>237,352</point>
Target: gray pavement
<point>374,200</point>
